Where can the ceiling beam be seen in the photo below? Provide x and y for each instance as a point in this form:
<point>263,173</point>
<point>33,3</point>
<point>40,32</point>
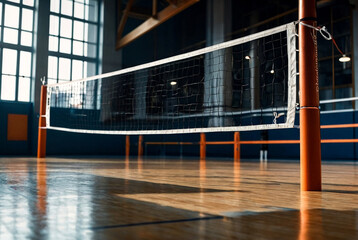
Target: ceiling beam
<point>138,15</point>
<point>172,2</point>
<point>155,8</point>
<point>124,19</point>
<point>152,23</point>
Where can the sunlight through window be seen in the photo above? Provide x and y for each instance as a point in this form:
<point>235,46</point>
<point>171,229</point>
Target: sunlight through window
<point>73,40</point>
<point>16,64</point>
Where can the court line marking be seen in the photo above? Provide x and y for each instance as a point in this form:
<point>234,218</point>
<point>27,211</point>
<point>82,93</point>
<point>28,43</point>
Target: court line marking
<point>156,222</point>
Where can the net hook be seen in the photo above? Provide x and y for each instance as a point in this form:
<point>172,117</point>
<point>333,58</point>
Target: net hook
<point>325,34</point>
<point>276,116</point>
<point>322,30</point>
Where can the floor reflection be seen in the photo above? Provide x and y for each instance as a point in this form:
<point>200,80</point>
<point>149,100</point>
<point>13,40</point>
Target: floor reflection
<point>41,187</point>
<point>263,166</point>
<point>126,165</point>
<point>236,172</point>
<point>310,215</point>
<point>140,164</point>
<point>111,199</point>
<point>202,171</point>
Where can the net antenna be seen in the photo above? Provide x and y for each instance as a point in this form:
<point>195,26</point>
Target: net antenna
<point>244,84</point>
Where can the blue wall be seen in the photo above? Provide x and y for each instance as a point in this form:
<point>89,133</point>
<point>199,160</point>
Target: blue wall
<point>63,143</point>
<point>330,151</point>
<point>346,151</point>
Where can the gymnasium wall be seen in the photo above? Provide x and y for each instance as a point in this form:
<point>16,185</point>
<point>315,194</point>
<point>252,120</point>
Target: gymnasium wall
<point>15,133</point>
<point>62,143</point>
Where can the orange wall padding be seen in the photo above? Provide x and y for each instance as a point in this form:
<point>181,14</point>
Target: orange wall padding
<point>17,127</point>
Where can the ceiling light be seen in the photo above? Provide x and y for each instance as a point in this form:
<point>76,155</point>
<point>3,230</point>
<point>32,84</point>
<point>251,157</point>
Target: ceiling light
<point>344,58</point>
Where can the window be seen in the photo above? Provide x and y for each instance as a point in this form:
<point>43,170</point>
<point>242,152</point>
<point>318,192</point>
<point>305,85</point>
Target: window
<point>16,49</point>
<point>73,40</point>
<point>335,77</point>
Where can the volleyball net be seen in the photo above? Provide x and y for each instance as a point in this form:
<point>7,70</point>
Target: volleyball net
<point>244,84</point>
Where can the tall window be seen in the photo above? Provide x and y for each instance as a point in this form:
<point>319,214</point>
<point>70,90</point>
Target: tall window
<point>73,39</point>
<point>335,77</point>
<point>16,49</point>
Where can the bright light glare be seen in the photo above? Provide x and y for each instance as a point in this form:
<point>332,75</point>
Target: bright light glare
<point>8,85</point>
<point>11,16</point>
<point>173,83</point>
<point>23,94</point>
<point>247,57</point>
<point>9,61</point>
<point>272,71</point>
<point>64,70</point>
<point>344,58</point>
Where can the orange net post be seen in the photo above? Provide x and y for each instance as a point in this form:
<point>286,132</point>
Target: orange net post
<point>41,146</point>
<point>127,145</point>
<point>310,136</point>
<point>202,146</point>
<point>236,146</point>
<point>140,145</point>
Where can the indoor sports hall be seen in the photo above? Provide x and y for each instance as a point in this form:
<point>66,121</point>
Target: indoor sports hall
<point>178,119</point>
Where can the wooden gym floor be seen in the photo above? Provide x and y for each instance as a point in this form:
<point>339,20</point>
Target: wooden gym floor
<point>113,198</point>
